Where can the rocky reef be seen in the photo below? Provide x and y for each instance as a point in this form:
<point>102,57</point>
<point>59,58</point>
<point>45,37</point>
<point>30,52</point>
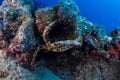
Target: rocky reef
<point>35,40</point>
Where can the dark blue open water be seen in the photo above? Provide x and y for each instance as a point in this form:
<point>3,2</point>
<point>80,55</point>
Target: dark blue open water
<point>101,12</point>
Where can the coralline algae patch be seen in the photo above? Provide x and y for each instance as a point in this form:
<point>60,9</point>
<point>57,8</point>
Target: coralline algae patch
<point>57,38</point>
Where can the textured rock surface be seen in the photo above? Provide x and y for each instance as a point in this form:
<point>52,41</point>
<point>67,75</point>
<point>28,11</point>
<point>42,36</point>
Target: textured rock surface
<point>59,26</point>
<point>78,66</point>
<point>9,70</point>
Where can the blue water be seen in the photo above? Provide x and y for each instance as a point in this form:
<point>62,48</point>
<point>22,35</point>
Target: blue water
<point>102,12</point>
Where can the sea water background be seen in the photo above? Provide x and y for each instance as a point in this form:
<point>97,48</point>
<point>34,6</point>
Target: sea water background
<point>102,12</point>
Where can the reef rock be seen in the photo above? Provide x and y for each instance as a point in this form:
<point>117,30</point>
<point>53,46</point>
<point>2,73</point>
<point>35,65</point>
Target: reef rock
<point>48,38</point>
<point>59,26</point>
<point>80,66</point>
<point>17,25</point>
<point>9,70</point>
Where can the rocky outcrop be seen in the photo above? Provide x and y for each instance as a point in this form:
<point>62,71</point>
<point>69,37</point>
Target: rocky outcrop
<point>76,65</point>
<point>9,70</point>
<point>50,38</point>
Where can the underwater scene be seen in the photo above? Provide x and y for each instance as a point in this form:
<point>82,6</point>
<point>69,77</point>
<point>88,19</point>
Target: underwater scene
<point>59,40</point>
